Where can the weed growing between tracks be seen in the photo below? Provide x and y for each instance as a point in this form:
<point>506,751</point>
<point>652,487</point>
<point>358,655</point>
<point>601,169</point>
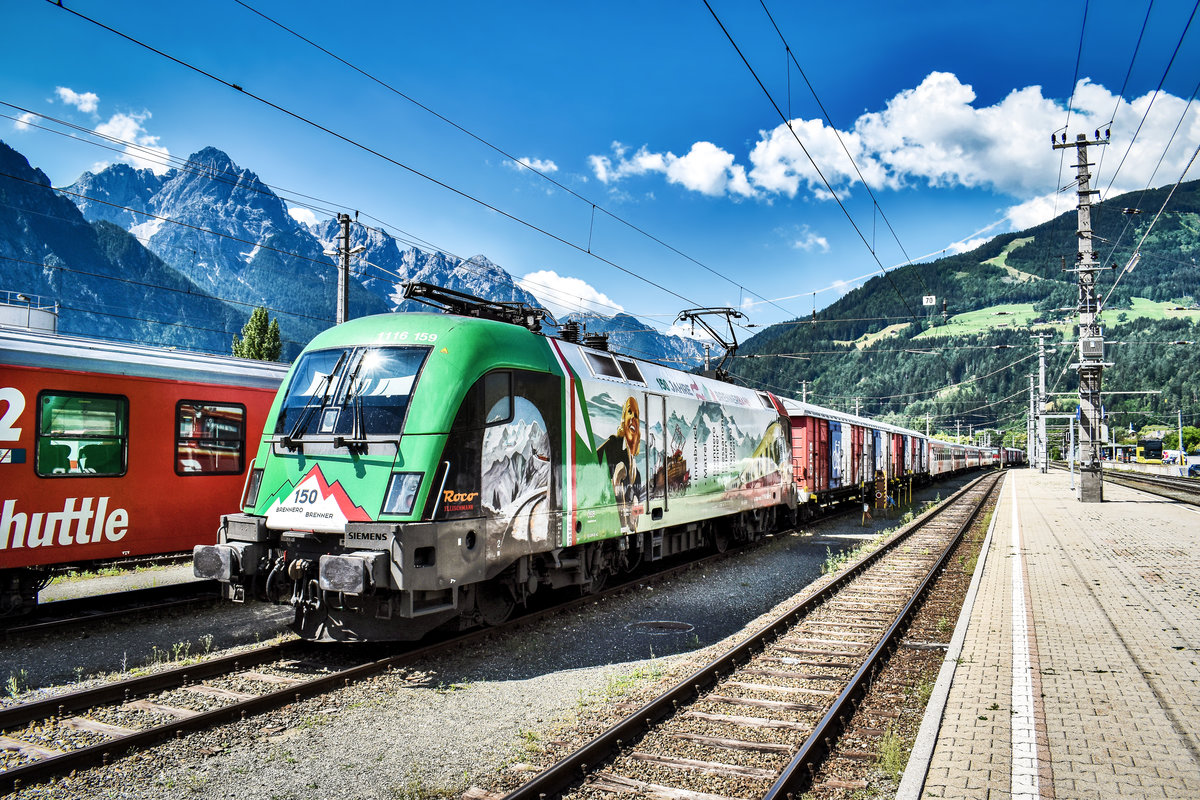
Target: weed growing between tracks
<point>834,563</point>
<point>17,683</point>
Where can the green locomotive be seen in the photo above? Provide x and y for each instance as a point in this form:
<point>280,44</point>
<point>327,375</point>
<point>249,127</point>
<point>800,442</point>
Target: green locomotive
<point>420,470</point>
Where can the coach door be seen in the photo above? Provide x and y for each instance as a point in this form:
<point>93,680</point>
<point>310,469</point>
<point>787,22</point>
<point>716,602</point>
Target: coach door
<point>658,450</point>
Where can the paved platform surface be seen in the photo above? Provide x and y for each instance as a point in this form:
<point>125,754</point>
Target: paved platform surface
<point>1078,674</point>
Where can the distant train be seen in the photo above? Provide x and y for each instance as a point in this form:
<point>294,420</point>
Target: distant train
<point>424,470</point>
<point>1004,456</point>
<point>1149,451</point>
<point>112,451</point>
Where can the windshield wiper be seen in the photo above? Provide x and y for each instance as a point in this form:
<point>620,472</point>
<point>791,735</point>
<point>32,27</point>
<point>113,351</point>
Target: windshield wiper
<point>358,436</point>
<point>292,440</point>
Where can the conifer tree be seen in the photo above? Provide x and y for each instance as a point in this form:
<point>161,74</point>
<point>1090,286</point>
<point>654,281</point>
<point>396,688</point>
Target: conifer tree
<point>259,340</point>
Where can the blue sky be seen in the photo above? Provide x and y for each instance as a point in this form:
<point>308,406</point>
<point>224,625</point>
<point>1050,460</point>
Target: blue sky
<point>645,117</point>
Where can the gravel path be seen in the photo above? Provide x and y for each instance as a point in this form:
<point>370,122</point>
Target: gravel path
<point>435,729</point>
<point>68,588</point>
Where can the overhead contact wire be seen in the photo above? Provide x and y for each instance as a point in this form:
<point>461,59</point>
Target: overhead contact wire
<point>369,150</point>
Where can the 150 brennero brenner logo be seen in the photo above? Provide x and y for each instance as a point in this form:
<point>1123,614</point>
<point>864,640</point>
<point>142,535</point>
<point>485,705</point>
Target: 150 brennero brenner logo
<point>85,520</point>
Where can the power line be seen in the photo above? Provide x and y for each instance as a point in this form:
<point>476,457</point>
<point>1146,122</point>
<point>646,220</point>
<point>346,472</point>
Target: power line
<point>1125,83</point>
<point>820,174</point>
<point>816,168</point>
<point>495,148</point>
<point>371,151</point>
<point>792,56</point>
<point>1152,223</point>
<point>175,162</point>
<point>195,168</point>
<point>1157,91</point>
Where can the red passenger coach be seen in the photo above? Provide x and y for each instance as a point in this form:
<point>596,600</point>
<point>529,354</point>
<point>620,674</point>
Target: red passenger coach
<point>112,451</point>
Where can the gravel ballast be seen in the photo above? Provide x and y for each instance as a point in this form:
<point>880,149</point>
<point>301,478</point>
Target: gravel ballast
<point>441,726</point>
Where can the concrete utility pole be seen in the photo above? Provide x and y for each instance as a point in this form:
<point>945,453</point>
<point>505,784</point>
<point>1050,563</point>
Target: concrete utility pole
<point>1030,436</point>
<point>1040,406</point>
<point>804,391</point>
<point>1091,336</point>
<point>343,290</point>
<point>1182,452</point>
<point>343,252</point>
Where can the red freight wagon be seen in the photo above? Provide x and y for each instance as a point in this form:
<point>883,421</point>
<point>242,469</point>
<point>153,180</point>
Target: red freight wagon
<point>810,453</point>
<point>112,451</point>
<point>858,460</point>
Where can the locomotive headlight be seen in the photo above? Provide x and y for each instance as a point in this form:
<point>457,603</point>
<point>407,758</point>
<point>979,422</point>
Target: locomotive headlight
<point>250,494</point>
<point>401,493</point>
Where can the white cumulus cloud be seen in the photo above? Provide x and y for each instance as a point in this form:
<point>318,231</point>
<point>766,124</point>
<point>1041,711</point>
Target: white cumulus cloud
<point>705,168</point>
<point>807,240</point>
<point>1037,210</point>
<point>544,166</point>
<point>304,216</point>
<point>23,122</point>
<point>87,102</point>
<point>936,135</point>
<point>563,294</point>
<point>141,149</point>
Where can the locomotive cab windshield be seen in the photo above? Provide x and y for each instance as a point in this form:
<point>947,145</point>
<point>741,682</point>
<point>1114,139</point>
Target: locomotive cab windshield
<point>348,396</point>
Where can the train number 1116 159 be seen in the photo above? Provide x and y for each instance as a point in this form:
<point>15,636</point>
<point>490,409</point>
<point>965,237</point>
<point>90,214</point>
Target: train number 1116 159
<point>407,336</point>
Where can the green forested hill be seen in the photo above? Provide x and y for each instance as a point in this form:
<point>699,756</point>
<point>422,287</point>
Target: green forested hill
<point>902,361</point>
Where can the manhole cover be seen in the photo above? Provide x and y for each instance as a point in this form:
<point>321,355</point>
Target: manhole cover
<point>660,627</point>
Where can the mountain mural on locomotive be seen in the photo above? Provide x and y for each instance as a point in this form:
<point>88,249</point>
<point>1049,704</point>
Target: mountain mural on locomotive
<point>666,447</point>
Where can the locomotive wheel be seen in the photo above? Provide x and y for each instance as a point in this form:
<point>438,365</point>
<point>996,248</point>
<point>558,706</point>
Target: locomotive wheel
<point>494,603</point>
<point>599,562</point>
<point>720,538</point>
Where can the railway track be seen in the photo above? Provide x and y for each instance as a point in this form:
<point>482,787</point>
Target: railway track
<point>74,731</point>
<point>51,616</point>
<point>758,720</point>
<point>1184,490</point>
<point>42,739</point>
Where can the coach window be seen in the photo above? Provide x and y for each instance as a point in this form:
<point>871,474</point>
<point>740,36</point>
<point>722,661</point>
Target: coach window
<point>210,438</point>
<point>631,371</point>
<point>81,434</point>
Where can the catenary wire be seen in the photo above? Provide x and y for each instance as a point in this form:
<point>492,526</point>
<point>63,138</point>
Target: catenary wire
<point>371,151</point>
<point>519,161</point>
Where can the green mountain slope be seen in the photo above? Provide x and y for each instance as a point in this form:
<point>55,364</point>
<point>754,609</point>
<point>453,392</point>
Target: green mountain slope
<point>878,349</point>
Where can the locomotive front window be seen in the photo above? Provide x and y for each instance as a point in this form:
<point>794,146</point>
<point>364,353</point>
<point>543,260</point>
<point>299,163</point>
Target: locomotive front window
<point>363,390</point>
<point>81,434</point>
<point>210,438</point>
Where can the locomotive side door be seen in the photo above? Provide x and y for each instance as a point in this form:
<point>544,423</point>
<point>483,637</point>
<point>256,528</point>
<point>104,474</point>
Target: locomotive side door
<point>657,452</point>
